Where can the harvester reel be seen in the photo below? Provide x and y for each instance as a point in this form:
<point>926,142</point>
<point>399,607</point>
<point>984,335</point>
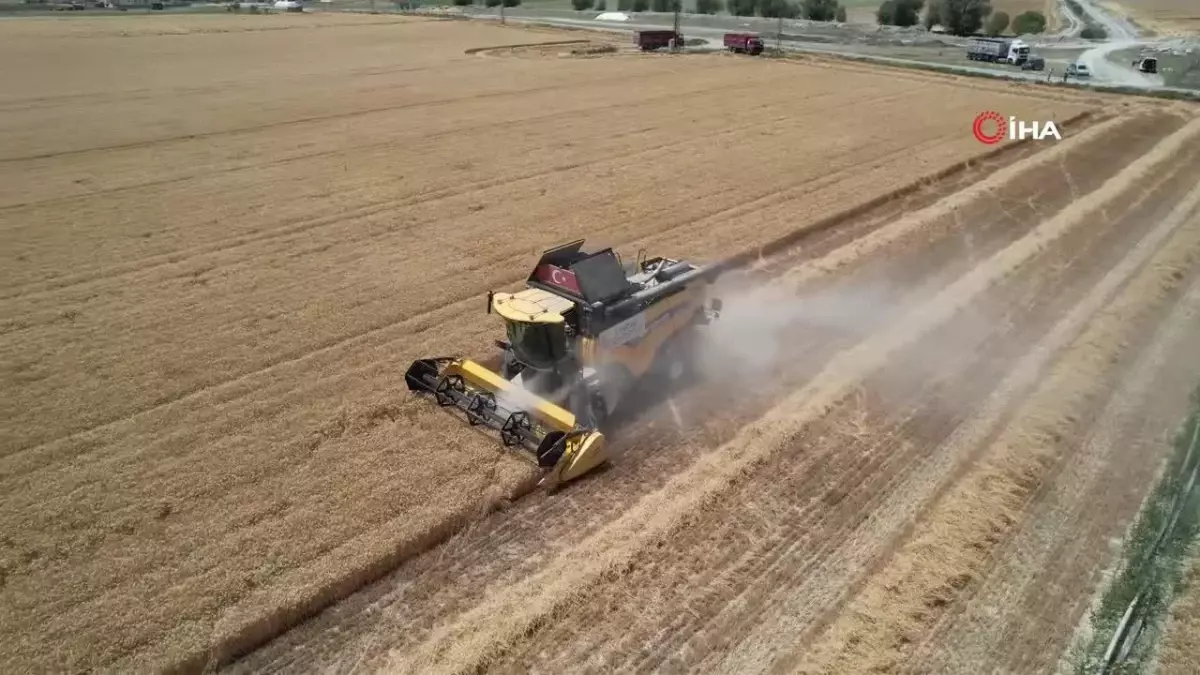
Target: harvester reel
<point>482,404</point>
<point>517,422</point>
<point>445,386</point>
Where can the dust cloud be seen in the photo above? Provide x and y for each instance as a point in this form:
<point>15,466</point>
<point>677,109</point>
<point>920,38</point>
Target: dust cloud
<point>772,337</point>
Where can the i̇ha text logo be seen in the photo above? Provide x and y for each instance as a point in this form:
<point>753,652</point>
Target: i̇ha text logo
<point>991,127</point>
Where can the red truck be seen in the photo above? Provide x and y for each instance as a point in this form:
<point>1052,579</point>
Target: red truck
<point>748,43</point>
<point>650,40</point>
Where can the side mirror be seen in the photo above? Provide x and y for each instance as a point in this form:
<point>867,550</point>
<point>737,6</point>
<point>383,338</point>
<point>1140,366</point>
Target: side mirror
<point>489,301</point>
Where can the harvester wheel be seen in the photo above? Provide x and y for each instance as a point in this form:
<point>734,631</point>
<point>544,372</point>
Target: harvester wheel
<point>676,359</point>
<point>553,449</point>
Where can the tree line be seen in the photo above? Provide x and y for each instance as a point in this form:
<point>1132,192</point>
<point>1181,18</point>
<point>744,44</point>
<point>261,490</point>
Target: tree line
<point>813,10</point>
<point>960,17</point>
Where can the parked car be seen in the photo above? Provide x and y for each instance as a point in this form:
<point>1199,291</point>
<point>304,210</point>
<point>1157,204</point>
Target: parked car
<point>1034,63</point>
<point>1079,70</point>
<point>1147,65</point>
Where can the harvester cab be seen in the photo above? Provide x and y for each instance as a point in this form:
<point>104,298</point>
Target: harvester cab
<point>581,335</point>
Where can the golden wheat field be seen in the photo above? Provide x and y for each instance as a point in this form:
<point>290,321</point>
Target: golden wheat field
<point>226,237</point>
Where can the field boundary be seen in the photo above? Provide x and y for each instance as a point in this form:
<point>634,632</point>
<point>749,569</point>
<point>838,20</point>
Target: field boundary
<point>233,642</point>
<point>1152,557</point>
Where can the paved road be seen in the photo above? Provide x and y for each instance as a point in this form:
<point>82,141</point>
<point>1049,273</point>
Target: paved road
<point>712,35</point>
<point>713,40</point>
<point>813,38</point>
<point>1122,35</point>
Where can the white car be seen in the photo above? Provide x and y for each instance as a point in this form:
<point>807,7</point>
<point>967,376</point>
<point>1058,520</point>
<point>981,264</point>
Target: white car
<point>1079,70</point>
<point>289,5</point>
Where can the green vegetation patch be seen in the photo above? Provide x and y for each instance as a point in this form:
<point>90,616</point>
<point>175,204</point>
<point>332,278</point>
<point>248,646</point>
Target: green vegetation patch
<point>1151,563</point>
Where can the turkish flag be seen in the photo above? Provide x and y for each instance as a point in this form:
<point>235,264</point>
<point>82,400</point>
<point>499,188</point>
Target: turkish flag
<point>557,276</point>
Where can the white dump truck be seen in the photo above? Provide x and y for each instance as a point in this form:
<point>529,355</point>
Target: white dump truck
<point>998,50</point>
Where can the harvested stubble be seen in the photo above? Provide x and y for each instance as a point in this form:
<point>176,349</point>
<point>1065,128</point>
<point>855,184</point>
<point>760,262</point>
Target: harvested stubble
<point>224,261</point>
<point>951,546</point>
<point>1180,646</point>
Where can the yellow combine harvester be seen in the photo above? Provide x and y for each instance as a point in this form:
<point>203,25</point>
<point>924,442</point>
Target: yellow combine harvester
<point>580,337</point>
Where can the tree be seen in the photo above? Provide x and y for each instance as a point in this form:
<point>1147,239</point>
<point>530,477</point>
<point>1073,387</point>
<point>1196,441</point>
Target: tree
<point>664,5</point>
<point>997,24</point>
<point>773,9</point>
<point>640,5</point>
<point>886,14</point>
<point>708,6</point>
<point>511,3</point>
<point>963,17</point>
<point>820,10</point>
<point>933,15</point>
<point>900,12</point>
<point>463,3</point>
<point>600,6</point>
<point>741,7</point>
<point>840,15</point>
<point>1029,23</point>
<point>581,5</point>
<point>1093,33</point>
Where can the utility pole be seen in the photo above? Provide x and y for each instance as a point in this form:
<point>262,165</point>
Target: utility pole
<point>502,12</point>
<point>678,6</point>
<point>779,34</point>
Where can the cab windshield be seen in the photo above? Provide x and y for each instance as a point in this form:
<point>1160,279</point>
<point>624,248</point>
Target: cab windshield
<point>537,345</point>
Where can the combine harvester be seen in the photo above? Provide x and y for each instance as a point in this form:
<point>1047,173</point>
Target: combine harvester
<point>583,334</point>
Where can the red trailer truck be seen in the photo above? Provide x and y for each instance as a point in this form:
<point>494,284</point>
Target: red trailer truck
<point>650,40</point>
<point>748,43</point>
